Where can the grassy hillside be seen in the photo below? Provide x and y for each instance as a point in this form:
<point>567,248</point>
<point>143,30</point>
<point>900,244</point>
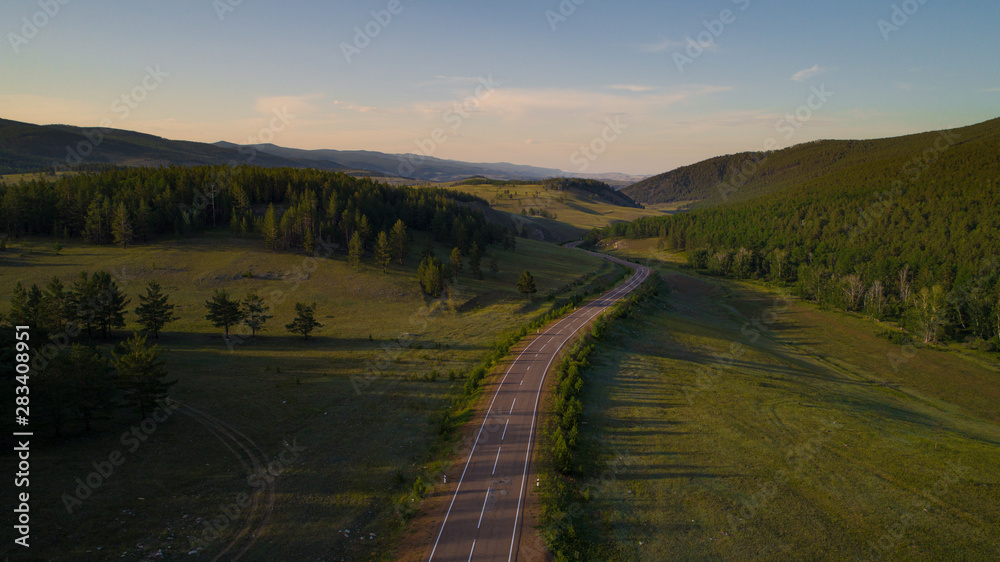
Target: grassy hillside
<point>752,174</point>
<point>725,422</point>
<point>26,148</point>
<point>560,213</point>
<point>366,440</point>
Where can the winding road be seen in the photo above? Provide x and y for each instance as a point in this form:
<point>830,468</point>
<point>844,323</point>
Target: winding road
<point>484,518</point>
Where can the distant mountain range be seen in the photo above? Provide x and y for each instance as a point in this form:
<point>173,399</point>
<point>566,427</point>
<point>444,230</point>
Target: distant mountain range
<point>25,147</point>
<point>748,175</point>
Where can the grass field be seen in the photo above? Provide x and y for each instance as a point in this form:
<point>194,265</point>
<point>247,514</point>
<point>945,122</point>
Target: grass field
<point>580,211</point>
<point>344,449</point>
<point>726,422</point>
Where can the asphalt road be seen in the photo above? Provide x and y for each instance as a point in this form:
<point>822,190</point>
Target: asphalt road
<point>484,519</point>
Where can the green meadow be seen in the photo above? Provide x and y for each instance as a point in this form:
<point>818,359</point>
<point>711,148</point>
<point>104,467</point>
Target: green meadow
<point>729,421</point>
<point>343,425</point>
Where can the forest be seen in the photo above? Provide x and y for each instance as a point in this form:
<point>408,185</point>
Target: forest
<point>289,208</point>
<point>914,237</point>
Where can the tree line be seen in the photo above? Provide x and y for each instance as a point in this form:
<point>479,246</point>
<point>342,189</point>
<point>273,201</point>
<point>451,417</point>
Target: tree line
<point>288,208</point>
<point>924,252</point>
<point>96,306</point>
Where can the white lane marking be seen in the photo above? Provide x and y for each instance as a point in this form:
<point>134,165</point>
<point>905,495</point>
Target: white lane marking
<point>468,461</point>
<point>473,549</point>
<point>512,405</point>
<point>631,284</point>
<point>484,508</point>
<point>505,429</point>
<point>496,461</point>
<point>472,452</point>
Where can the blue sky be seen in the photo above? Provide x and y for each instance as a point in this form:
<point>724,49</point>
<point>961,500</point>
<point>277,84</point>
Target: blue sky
<point>418,82</point>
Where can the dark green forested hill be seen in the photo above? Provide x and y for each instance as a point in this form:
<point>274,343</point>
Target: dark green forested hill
<point>25,147</point>
<point>751,174</point>
<point>589,187</point>
<point>905,228</point>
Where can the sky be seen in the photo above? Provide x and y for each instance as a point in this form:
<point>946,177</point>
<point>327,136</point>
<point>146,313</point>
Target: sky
<point>580,85</point>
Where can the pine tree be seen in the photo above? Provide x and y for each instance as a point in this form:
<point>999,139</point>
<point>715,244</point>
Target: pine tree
<point>430,275</point>
<point>255,313</point>
<point>475,261</point>
<point>95,229</point>
<point>269,228</point>
<point>305,320</point>
<point>363,227</point>
<point>456,261</point>
<point>309,242</point>
<point>19,314</point>
<point>108,303</point>
<point>140,372</point>
<point>494,267</point>
<point>83,303</point>
<point>383,251</point>
<point>400,241</point>
<point>223,311</point>
<point>34,306</point>
<point>57,305</point>
<point>121,226</point>
<point>526,284</point>
<point>355,249</point>
<point>144,221</point>
<point>153,311</point>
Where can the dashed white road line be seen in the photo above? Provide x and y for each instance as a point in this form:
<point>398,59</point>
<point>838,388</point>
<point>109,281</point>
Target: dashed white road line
<point>486,499</point>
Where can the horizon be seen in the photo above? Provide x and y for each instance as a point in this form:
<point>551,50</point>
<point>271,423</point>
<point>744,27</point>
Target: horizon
<point>665,87</point>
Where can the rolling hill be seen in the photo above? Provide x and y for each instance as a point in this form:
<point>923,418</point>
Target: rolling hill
<point>748,175</point>
<point>426,168</point>
<point>25,148</point>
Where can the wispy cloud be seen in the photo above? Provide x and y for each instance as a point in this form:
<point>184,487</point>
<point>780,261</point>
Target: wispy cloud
<point>988,90</point>
<point>443,80</point>
<point>662,44</point>
<point>632,87</point>
<point>300,104</point>
<point>807,73</point>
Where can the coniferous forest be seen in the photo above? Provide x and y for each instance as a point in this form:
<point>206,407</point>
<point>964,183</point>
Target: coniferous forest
<point>909,230</point>
<point>288,208</point>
